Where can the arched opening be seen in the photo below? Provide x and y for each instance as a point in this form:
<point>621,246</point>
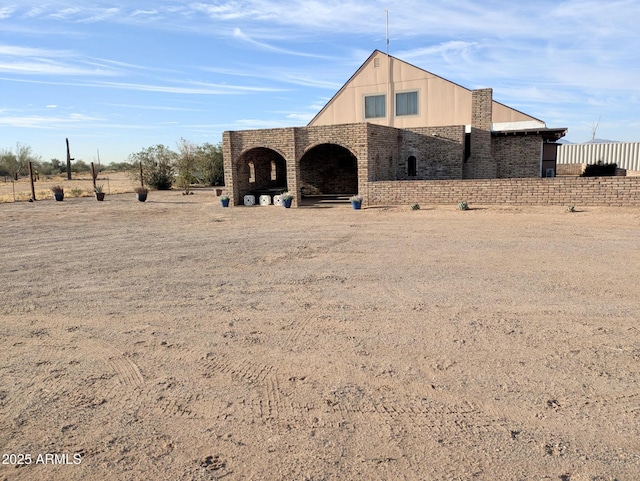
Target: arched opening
<point>328,169</point>
<point>261,171</point>
<point>412,166</point>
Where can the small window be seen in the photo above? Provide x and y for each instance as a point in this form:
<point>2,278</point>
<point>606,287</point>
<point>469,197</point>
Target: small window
<point>374,106</point>
<point>407,103</point>
<point>376,62</point>
<point>411,166</point>
<point>252,172</point>
<point>274,171</point>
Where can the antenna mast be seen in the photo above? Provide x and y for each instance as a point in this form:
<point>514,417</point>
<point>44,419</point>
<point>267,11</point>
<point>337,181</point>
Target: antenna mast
<point>387,35</point>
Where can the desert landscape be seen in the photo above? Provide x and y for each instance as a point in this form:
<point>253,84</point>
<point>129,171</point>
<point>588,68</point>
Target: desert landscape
<point>80,185</point>
<point>178,340</point>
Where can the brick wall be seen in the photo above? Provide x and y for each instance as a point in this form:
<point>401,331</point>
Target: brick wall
<point>605,191</point>
<point>516,156</point>
<point>439,152</point>
<point>570,169</point>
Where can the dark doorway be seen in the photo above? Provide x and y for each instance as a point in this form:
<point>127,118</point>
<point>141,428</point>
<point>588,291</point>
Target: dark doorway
<point>329,169</point>
<point>411,166</point>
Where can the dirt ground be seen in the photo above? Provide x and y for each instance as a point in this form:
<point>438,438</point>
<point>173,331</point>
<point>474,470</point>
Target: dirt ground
<point>177,340</point>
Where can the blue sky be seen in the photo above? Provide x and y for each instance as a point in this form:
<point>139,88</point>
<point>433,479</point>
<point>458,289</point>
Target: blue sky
<point>117,76</point>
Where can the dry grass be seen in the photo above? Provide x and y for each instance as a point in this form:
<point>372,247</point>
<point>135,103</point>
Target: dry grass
<point>79,186</point>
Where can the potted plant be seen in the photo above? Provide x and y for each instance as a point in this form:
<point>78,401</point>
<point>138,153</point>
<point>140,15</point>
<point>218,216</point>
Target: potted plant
<point>224,200</point>
<point>99,192</point>
<point>356,201</point>
<point>286,198</point>
<point>141,193</point>
<point>58,192</point>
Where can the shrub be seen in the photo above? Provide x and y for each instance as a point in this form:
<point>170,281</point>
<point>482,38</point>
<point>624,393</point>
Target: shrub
<point>415,206</point>
<point>158,166</point>
<point>599,169</point>
<point>463,205</point>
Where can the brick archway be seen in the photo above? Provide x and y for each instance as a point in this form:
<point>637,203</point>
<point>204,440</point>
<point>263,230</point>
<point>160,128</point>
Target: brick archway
<point>329,169</point>
<point>261,169</point>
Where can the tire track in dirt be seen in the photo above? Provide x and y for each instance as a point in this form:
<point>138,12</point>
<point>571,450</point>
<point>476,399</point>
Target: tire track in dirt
<point>242,369</point>
<point>50,383</point>
<point>295,331</point>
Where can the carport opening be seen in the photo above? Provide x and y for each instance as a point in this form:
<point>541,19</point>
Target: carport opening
<point>329,170</point>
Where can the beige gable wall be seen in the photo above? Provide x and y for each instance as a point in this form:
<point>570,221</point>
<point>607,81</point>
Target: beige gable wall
<point>441,102</point>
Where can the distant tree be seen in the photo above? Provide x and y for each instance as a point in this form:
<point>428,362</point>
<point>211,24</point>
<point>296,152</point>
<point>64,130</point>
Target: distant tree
<point>119,166</point>
<point>80,166</point>
<point>15,163</point>
<point>158,166</point>
<point>594,130</point>
<point>8,163</point>
<point>209,164</point>
<point>186,164</point>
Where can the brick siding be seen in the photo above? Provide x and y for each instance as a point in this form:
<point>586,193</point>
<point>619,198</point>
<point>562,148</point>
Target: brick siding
<point>597,191</point>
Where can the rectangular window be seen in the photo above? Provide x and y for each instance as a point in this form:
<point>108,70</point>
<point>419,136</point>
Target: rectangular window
<point>374,106</point>
<point>407,103</point>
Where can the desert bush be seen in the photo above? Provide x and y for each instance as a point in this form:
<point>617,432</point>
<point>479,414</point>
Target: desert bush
<point>463,205</point>
<point>415,206</point>
<point>158,166</point>
<point>80,166</point>
<point>209,164</point>
<point>121,166</point>
<point>599,169</point>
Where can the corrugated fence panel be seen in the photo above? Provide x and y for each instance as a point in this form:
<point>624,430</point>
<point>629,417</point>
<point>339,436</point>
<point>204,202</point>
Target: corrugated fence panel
<point>625,154</point>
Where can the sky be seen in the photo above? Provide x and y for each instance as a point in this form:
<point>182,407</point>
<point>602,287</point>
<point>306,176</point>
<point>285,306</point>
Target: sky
<point>118,76</point>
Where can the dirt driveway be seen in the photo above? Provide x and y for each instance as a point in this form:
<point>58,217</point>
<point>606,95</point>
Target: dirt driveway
<point>177,340</point>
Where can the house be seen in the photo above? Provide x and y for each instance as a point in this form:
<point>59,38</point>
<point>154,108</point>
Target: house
<point>391,121</point>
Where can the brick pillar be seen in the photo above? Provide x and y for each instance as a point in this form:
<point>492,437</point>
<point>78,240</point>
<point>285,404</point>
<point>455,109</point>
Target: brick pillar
<point>481,164</point>
<point>230,170</point>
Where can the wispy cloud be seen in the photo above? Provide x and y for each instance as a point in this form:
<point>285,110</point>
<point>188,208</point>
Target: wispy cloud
<point>145,13</point>
<point>240,35</point>
<point>101,14</point>
<point>66,13</point>
<point>44,121</point>
<point>17,59</point>
<point>5,12</point>
<point>154,107</point>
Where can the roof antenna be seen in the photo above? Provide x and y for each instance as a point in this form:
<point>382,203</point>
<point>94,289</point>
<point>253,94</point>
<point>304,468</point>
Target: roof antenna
<point>387,13</point>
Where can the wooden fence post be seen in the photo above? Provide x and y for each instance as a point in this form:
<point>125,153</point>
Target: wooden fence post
<point>33,188</point>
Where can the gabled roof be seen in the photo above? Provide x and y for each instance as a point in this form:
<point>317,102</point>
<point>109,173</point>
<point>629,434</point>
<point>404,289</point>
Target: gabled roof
<point>375,52</point>
<point>379,52</point>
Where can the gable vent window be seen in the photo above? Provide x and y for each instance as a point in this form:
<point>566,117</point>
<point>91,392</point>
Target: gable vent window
<point>407,103</point>
<point>411,166</point>
<point>374,106</point>
<point>376,62</point>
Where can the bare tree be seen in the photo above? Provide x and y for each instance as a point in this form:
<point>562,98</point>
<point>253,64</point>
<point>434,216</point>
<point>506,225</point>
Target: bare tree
<point>594,129</point>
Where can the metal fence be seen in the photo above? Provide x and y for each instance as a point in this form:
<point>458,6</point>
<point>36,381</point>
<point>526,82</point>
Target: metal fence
<point>625,154</point>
